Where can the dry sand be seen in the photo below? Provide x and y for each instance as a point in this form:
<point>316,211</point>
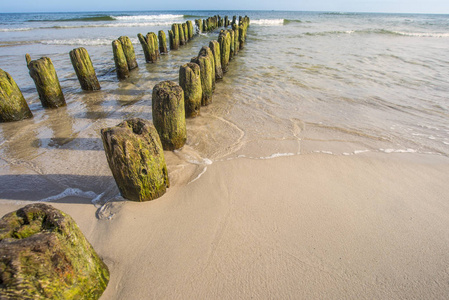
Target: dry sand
<point>302,227</point>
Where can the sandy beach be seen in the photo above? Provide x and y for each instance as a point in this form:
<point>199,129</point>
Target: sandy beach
<point>311,226</point>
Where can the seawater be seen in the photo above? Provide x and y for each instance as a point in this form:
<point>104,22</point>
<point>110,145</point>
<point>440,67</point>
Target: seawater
<point>332,83</point>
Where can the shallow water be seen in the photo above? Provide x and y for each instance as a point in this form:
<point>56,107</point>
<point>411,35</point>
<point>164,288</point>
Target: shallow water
<point>335,83</point>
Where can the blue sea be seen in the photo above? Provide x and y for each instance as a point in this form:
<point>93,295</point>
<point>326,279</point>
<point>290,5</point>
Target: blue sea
<point>307,82</point>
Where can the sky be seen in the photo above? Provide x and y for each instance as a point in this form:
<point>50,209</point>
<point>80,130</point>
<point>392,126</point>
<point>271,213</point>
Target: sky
<point>394,6</point>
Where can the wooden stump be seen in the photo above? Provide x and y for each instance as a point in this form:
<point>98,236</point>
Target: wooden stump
<point>13,106</point>
<point>155,45</point>
<point>145,47</point>
<point>169,114</point>
<point>236,39</point>
<point>206,78</point>
<point>136,158</point>
<point>151,47</point>
<point>205,51</point>
<point>182,37</point>
<point>226,21</point>
<point>224,40</point>
<point>191,31</point>
<point>199,25</point>
<point>190,82</point>
<point>84,69</point>
<point>185,28</point>
<point>128,50</point>
<point>175,30</point>
<point>171,38</point>
<point>44,255</point>
<point>215,48</point>
<point>47,83</point>
<point>232,43</point>
<point>121,66</point>
<point>162,42</point>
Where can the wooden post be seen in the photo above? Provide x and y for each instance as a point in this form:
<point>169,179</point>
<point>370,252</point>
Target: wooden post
<point>155,45</point>
<point>206,78</point>
<point>175,30</point>
<point>226,21</point>
<point>13,106</point>
<point>136,158</point>
<point>169,115</point>
<point>225,48</point>
<point>162,42</point>
<point>128,50</point>
<point>231,53</point>
<point>121,66</point>
<point>84,69</point>
<point>236,39</point>
<point>171,38</point>
<point>205,51</point>
<point>182,37</point>
<point>190,82</point>
<point>191,32</point>
<point>185,28</point>
<point>145,47</point>
<point>215,48</point>
<point>199,25</point>
<point>47,83</point>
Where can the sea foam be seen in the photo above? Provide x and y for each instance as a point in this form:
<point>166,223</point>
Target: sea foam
<point>268,22</point>
<point>147,17</point>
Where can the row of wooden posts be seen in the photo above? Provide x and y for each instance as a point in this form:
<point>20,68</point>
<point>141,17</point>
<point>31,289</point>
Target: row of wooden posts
<point>13,106</point>
<point>135,148</point>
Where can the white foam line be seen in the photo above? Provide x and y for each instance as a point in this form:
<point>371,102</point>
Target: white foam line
<point>199,175</point>
<point>71,192</point>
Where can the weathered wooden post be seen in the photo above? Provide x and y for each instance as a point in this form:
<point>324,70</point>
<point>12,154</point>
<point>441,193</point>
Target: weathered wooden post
<point>182,37</point>
<point>241,36</point>
<point>215,48</point>
<point>205,51</point>
<point>44,255</point>
<point>155,45</point>
<point>234,21</point>
<point>206,78</point>
<point>13,106</point>
<point>191,31</point>
<point>128,50</point>
<point>175,30</point>
<point>236,39</point>
<point>171,38</point>
<point>162,42</point>
<point>145,47</point>
<point>205,28</point>
<point>190,82</point>
<point>150,40</point>
<point>46,80</point>
<point>136,158</point>
<point>169,115</point>
<point>199,25</point>
<point>185,29</point>
<point>121,65</point>
<point>84,69</point>
<point>226,21</point>
<point>225,48</point>
<point>231,53</point>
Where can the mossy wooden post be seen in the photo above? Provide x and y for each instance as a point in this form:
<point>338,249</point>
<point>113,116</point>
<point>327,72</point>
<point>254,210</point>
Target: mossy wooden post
<point>136,158</point>
<point>236,39</point>
<point>225,48</point>
<point>46,80</point>
<point>234,21</point>
<point>185,28</point>
<point>175,30</point>
<point>232,43</point>
<point>241,36</point>
<point>190,82</point>
<point>215,48</point>
<point>44,255</point>
<point>13,106</point>
<point>226,21</point>
<point>205,51</point>
<point>205,29</point>
<point>121,66</point>
<point>128,50</point>
<point>182,37</point>
<point>151,46</point>
<point>169,115</point>
<point>206,78</point>
<point>155,45</point>
<point>162,42</point>
<point>145,47</point>
<point>84,69</point>
<point>199,25</point>
<point>171,38</point>
<point>191,31</point>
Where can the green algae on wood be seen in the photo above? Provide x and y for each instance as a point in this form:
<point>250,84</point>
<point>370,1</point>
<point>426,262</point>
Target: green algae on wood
<point>205,51</point>
<point>206,78</point>
<point>44,255</point>
<point>171,38</point>
<point>136,158</point>
<point>13,106</point>
<point>185,29</point>
<point>84,69</point>
<point>145,47</point>
<point>155,45</point>
<point>182,37</point>
<point>199,25</point>
<point>162,42</point>
<point>236,39</point>
<point>190,82</point>
<point>128,50</point>
<point>232,43</point>
<point>153,52</point>
<point>121,65</point>
<point>215,48</point>
<point>224,39</point>
<point>169,114</point>
<point>175,30</point>
<point>47,83</point>
<point>191,31</point>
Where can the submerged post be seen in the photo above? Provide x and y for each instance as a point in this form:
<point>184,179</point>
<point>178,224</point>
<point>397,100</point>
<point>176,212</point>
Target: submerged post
<point>121,65</point>
<point>175,30</point>
<point>190,82</point>
<point>206,78</point>
<point>191,32</point>
<point>128,50</point>
<point>225,48</point>
<point>84,69</point>
<point>13,106</point>
<point>215,48</point>
<point>153,52</point>
<point>205,51</point>
<point>136,158</point>
<point>145,47</point>
<point>236,39</point>
<point>199,25</point>
<point>169,114</point>
<point>182,37</point>
<point>232,43</point>
<point>162,42</point>
<point>47,83</point>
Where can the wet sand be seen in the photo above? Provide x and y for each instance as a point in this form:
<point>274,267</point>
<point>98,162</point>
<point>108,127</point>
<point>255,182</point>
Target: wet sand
<point>308,226</point>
